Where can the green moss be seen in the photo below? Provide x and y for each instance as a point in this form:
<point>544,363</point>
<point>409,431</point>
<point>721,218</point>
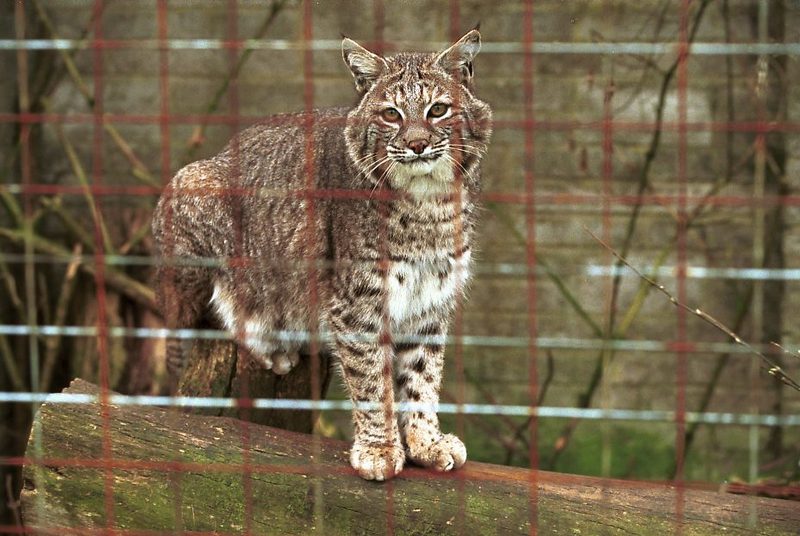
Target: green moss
<point>219,496</point>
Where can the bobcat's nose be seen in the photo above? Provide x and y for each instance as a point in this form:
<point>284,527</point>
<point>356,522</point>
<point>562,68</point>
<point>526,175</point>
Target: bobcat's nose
<point>417,145</point>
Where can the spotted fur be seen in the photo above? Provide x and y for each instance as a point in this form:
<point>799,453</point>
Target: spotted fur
<point>356,222</point>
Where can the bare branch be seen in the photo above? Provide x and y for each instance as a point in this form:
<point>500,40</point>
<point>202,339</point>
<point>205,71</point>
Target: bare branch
<point>115,279</point>
<point>198,133</point>
<point>766,362</point>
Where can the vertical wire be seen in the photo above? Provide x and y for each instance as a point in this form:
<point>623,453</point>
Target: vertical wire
<point>162,17</point>
<point>27,178</point>
<point>379,26</point>
<point>608,178</point>
<point>759,224</point>
<point>458,315</point>
<point>99,262</point>
<point>390,413</point>
<point>238,198</point>
<point>312,239</point>
<point>386,347</point>
<point>530,226</point>
<point>681,356</point>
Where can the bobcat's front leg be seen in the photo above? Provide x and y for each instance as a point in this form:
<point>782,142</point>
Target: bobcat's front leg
<point>377,453</point>
<point>418,377</point>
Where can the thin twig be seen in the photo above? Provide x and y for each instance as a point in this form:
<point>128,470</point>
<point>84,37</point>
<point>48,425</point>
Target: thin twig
<point>54,205</point>
<point>46,70</point>
<point>66,55</point>
<point>650,155</point>
<point>13,504</point>
<point>519,433</point>
<point>12,207</point>
<point>11,288</point>
<point>80,174</point>
<point>115,279</point>
<point>11,365</point>
<point>719,366</point>
<point>551,274</point>
<point>795,354</point>
<point>48,75</point>
<point>42,297</point>
<point>199,131</point>
<point>53,344</point>
<point>139,169</point>
<point>643,185</point>
<point>767,363</point>
<point>490,398</point>
<point>135,237</point>
<point>641,294</point>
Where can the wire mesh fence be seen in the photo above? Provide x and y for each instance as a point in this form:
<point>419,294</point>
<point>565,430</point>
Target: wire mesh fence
<point>667,129</point>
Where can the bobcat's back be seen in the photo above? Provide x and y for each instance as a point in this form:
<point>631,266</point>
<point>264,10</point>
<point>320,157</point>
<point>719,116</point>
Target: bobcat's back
<point>255,209</point>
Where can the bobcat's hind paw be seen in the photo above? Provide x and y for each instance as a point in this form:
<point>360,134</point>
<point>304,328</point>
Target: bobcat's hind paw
<point>377,461</point>
<point>283,363</point>
<point>280,363</point>
<point>445,454</point>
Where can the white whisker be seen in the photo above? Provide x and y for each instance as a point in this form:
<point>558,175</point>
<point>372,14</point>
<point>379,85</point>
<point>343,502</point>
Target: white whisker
<point>449,158</point>
<point>376,165</point>
<point>467,149</point>
<point>381,178</point>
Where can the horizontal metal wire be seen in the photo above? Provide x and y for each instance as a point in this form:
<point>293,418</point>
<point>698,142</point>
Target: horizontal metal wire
<point>553,47</point>
<point>288,336</point>
<point>540,124</point>
<point>700,272</point>
<point>479,268</point>
<point>442,408</point>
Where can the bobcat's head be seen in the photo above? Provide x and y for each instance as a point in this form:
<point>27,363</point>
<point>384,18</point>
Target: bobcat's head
<point>418,127</point>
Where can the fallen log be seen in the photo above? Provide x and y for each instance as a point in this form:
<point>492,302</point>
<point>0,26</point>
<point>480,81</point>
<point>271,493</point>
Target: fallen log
<point>144,468</point>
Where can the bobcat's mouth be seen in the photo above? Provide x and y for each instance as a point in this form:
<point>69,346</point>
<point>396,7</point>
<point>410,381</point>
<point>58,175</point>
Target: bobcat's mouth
<point>422,176</point>
<point>422,165</point>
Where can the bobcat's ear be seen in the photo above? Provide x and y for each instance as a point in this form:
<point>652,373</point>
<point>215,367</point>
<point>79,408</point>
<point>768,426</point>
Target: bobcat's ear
<point>365,66</point>
<point>457,60</point>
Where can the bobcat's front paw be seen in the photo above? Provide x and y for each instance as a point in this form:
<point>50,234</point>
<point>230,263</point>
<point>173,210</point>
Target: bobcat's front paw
<point>377,461</point>
<point>443,454</point>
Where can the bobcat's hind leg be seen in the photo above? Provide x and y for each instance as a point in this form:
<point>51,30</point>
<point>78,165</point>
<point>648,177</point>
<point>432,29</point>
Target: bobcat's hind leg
<point>182,299</point>
<point>188,226</point>
<point>254,332</point>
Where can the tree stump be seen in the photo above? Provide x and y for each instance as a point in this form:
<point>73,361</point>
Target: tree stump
<point>220,368</point>
<point>143,469</point>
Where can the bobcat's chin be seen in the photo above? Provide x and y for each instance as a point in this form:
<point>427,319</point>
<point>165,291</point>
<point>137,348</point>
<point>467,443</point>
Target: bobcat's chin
<point>423,166</point>
<point>423,177</point>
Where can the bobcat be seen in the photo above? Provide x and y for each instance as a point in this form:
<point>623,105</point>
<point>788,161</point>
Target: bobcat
<point>356,223</point>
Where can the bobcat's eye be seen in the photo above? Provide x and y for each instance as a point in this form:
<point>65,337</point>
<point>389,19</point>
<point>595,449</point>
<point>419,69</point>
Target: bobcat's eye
<point>438,110</point>
<point>391,115</point>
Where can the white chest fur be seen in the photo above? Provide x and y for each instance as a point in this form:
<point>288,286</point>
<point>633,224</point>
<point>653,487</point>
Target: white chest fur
<point>416,288</point>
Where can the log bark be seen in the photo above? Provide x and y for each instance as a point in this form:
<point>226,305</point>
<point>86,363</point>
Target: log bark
<point>219,368</point>
<point>152,469</point>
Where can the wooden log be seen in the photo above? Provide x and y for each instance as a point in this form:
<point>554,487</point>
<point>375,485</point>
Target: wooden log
<point>151,469</point>
<point>219,368</point>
